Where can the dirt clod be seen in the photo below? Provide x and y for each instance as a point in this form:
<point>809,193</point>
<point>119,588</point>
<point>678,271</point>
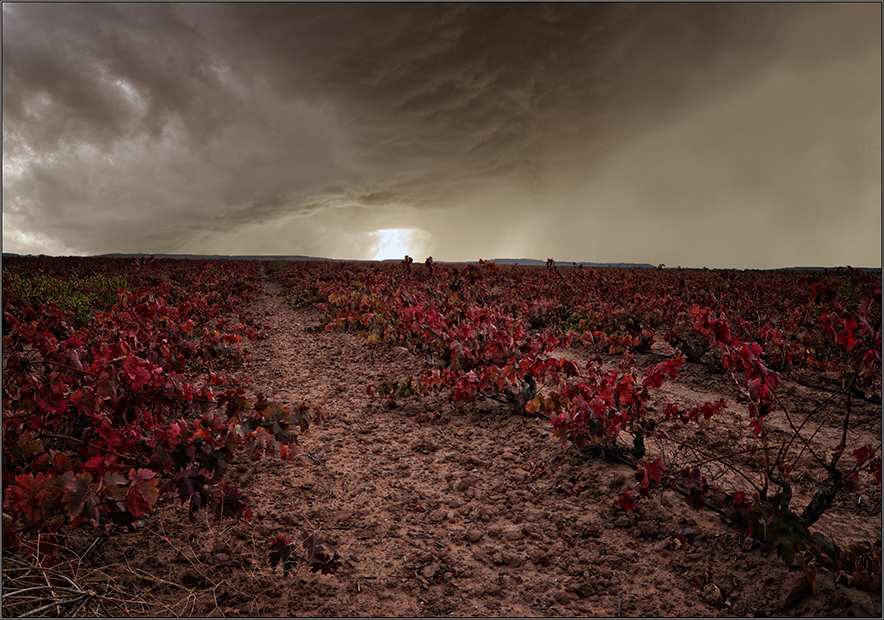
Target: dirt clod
<point>795,587</point>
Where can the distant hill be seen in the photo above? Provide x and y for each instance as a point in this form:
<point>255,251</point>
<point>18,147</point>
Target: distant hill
<point>826,268</point>
<point>210,257</point>
<point>535,262</point>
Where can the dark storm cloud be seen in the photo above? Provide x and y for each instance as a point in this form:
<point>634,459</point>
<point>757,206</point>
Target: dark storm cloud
<point>79,57</point>
<point>123,119</point>
<point>162,127</point>
<point>478,89</point>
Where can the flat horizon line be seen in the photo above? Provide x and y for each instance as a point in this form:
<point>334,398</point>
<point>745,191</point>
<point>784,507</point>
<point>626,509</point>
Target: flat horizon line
<point>528,262</point>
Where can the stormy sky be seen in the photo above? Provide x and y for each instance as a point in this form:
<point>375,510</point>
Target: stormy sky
<point>717,135</point>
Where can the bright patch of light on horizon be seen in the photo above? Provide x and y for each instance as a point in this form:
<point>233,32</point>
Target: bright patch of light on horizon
<point>394,243</point>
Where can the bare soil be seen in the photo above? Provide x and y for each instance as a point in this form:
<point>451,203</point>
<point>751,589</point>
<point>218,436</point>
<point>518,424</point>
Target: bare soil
<point>437,510</point>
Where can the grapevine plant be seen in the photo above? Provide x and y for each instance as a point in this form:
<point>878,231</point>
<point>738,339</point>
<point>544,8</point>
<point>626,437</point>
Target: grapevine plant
<point>103,417</point>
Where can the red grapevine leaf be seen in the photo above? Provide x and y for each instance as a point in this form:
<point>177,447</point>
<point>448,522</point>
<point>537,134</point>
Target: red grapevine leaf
<point>80,500</point>
<point>25,496</point>
<point>143,493</point>
<point>625,501</point>
<point>317,559</point>
<point>321,562</point>
<point>655,469</point>
<point>654,379</point>
<point>861,454</point>
<point>282,551</point>
<point>191,487</point>
<point>229,502</point>
<point>112,483</point>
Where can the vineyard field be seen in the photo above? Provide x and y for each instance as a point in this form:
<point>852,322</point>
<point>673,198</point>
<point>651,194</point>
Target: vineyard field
<point>328,438</point>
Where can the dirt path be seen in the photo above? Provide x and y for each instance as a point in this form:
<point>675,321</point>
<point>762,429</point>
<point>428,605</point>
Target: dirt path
<point>435,511</point>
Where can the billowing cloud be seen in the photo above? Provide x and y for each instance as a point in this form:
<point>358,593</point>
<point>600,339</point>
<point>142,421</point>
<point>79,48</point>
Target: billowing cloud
<point>714,134</point>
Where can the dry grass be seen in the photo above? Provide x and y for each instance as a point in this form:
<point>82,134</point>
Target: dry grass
<point>31,590</point>
<point>72,589</point>
<point>77,587</point>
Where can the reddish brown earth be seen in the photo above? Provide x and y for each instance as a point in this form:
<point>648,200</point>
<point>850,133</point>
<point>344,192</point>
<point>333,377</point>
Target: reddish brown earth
<point>437,510</point>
